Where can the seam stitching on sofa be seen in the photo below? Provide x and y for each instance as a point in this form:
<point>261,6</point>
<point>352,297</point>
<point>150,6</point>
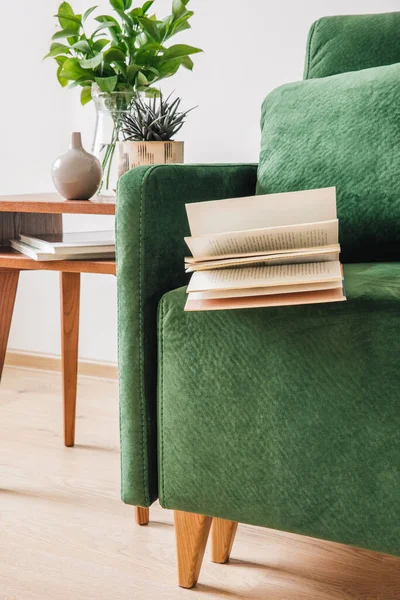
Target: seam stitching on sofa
<point>141,370</point>
<point>119,347</point>
<point>162,403</point>
<point>143,412</point>
<point>313,28</point>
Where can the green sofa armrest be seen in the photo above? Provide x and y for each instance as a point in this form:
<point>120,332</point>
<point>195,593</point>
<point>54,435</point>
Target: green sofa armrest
<point>150,226</point>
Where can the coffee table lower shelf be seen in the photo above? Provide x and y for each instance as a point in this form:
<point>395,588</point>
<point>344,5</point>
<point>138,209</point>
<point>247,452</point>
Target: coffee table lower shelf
<point>11,259</point>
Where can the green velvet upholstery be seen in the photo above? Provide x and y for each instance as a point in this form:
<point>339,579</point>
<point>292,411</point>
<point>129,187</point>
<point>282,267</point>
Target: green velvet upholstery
<point>287,417</point>
<point>350,43</point>
<point>341,131</point>
<point>151,224</point>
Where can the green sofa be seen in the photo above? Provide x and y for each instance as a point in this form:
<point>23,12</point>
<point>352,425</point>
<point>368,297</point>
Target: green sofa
<point>287,418</point>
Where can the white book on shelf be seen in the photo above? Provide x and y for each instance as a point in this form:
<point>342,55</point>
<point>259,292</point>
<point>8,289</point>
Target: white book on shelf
<point>72,243</point>
<point>42,255</point>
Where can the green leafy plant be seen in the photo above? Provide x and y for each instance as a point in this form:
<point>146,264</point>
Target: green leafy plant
<point>153,120</point>
<point>125,52</point>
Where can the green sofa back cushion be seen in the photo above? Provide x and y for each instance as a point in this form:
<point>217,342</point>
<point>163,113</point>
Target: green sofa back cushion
<point>341,131</point>
<point>350,43</point>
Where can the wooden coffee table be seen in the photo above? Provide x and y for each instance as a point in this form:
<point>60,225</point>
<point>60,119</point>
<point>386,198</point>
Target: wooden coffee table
<point>42,213</point>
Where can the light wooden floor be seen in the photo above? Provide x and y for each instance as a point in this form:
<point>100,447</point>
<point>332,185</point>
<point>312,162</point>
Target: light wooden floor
<point>65,535</point>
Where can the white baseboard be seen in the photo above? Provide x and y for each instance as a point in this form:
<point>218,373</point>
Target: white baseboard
<point>46,362</point>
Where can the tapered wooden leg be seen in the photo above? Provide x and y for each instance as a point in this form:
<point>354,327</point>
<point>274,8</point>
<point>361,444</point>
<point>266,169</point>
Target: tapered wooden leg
<point>223,535</point>
<point>142,515</point>
<point>191,533</point>
<point>70,295</point>
<point>8,292</point>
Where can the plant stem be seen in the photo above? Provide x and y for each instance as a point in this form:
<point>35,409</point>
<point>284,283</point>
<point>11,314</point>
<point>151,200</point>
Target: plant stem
<point>112,151</point>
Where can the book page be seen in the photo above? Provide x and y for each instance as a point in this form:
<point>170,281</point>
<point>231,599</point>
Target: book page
<point>261,241</point>
<point>190,260</point>
<point>322,254</point>
<point>238,278</point>
<point>256,212</point>
<point>266,291</point>
<point>318,297</point>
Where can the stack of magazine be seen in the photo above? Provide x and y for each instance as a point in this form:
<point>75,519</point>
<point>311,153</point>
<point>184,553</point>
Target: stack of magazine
<point>267,250</point>
<point>67,246</point>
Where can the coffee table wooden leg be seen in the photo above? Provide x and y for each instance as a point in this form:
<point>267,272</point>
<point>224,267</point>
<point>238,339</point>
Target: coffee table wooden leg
<point>8,292</point>
<point>70,296</point>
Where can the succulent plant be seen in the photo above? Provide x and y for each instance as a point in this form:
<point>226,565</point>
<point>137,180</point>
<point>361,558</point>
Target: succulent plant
<point>153,119</point>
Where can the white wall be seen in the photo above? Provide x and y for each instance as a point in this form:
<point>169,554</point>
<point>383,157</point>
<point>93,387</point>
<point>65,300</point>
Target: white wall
<point>251,46</point>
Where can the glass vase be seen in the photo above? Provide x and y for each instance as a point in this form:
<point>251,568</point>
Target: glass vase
<point>110,109</point>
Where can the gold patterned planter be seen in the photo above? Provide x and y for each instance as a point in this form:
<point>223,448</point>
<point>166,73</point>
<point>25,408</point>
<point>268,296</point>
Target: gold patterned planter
<point>134,154</point>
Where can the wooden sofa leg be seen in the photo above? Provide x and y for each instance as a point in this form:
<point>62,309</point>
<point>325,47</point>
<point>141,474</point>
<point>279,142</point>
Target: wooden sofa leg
<point>223,535</point>
<point>191,533</point>
<point>142,515</point>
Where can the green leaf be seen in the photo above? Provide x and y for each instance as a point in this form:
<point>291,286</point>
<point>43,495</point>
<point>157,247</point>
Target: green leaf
<point>182,23</point>
<point>141,79</point>
<point>68,20</point>
<point>114,54</point>
<point>62,81</point>
<point>117,4</point>
<point>169,67</point>
<point>92,63</point>
<point>98,45</point>
<point>86,95</point>
<point>73,70</point>
<point>187,63</point>
<point>179,28</point>
<point>56,49</point>
<point>147,5</point>
<point>179,51</point>
<point>150,46</point>
<point>136,12</point>
<point>128,20</point>
<point>83,46</point>
<point>178,8</point>
<point>67,17</point>
<point>60,60</point>
<point>152,70</point>
<point>127,4</point>
<point>121,67</point>
<point>64,33</point>
<point>105,25</point>
<point>165,27</point>
<point>82,81</point>
<point>150,28</point>
<point>107,84</point>
<point>64,10</point>
<point>153,93</point>
<point>88,13</point>
<point>131,72</point>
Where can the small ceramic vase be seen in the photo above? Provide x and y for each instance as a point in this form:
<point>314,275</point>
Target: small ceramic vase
<point>77,174</point>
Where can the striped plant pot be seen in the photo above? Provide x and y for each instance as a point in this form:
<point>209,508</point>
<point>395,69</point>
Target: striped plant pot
<point>134,154</point>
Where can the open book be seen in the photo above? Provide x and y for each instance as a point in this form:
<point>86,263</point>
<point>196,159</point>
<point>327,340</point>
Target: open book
<point>269,250</point>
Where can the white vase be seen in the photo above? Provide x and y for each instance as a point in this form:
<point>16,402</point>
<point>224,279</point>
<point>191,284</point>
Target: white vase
<point>77,174</point>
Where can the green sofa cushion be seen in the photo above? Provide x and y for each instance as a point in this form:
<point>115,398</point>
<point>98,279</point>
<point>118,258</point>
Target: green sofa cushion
<point>341,131</point>
<point>287,417</point>
<point>353,42</point>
